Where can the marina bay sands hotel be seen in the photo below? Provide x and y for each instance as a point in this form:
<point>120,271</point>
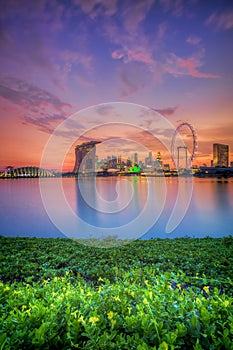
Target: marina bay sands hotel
<point>85,157</point>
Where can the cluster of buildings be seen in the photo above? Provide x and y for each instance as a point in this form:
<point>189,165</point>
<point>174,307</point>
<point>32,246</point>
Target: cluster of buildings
<point>86,161</point>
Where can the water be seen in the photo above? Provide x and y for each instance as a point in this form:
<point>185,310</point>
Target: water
<point>131,207</point>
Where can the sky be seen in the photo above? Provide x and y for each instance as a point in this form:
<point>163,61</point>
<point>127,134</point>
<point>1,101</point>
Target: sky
<point>60,57</point>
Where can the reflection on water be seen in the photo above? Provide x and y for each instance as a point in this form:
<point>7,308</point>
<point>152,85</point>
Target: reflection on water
<point>110,203</point>
<point>21,210</point>
<point>122,207</point>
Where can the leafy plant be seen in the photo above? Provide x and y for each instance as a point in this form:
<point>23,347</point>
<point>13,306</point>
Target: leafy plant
<point>158,294</point>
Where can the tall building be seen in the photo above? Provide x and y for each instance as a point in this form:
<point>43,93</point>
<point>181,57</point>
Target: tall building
<point>158,162</point>
<point>220,155</point>
<point>85,157</point>
<point>149,159</point>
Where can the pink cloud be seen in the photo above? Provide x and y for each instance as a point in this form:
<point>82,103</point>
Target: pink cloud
<point>138,54</point>
<point>117,54</point>
<point>222,21</point>
<point>193,40</point>
<point>179,66</point>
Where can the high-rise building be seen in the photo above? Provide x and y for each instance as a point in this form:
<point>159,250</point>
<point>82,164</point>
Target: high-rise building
<point>220,155</point>
<point>85,157</point>
<point>149,160</point>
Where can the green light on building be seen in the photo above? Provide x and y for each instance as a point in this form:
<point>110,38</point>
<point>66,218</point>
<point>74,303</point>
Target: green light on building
<point>135,169</point>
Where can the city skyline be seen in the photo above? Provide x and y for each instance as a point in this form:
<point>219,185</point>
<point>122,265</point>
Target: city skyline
<point>219,160</point>
<point>86,153</point>
<point>61,57</point>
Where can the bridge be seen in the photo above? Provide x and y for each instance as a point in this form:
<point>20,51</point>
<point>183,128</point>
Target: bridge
<point>27,171</point>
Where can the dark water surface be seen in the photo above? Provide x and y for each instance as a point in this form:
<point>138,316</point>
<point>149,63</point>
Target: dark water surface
<point>132,206</point>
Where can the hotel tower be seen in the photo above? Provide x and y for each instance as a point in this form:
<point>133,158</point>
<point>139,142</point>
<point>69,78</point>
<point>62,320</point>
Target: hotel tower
<point>85,157</point>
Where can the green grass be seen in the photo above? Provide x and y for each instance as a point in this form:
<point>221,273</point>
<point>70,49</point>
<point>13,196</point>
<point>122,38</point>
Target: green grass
<point>157,294</point>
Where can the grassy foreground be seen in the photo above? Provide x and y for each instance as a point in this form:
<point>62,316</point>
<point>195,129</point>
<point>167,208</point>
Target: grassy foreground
<point>158,294</point>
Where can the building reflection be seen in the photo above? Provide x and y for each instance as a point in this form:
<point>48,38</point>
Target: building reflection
<point>108,202</point>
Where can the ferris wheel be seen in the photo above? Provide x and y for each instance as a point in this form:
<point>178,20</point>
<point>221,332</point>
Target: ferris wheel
<point>192,149</point>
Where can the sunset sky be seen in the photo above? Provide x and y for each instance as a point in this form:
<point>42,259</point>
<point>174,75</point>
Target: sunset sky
<point>59,57</point>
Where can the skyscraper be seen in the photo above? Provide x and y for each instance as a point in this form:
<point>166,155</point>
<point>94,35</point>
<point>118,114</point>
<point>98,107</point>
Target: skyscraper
<point>220,155</point>
<point>85,157</point>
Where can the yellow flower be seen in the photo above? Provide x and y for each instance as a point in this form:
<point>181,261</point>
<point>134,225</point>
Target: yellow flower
<point>7,288</point>
<point>110,315</point>
<point>28,311</point>
<point>113,322</point>
<point>116,298</point>
<point>198,300</point>
<point>24,307</point>
<point>99,289</point>
<point>144,301</point>
<point>93,320</point>
<point>178,285</point>
<point>150,294</point>
<point>206,289</point>
<point>74,313</point>
<point>129,309</point>
<point>226,303</point>
<point>81,319</point>
<point>17,292</point>
<point>132,294</point>
<point>88,294</point>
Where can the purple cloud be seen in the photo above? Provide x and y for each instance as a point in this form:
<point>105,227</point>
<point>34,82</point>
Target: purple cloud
<point>21,92</point>
<point>95,8</point>
<point>167,111</point>
<point>193,40</point>
<point>222,21</point>
<point>41,108</point>
<point>131,79</point>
